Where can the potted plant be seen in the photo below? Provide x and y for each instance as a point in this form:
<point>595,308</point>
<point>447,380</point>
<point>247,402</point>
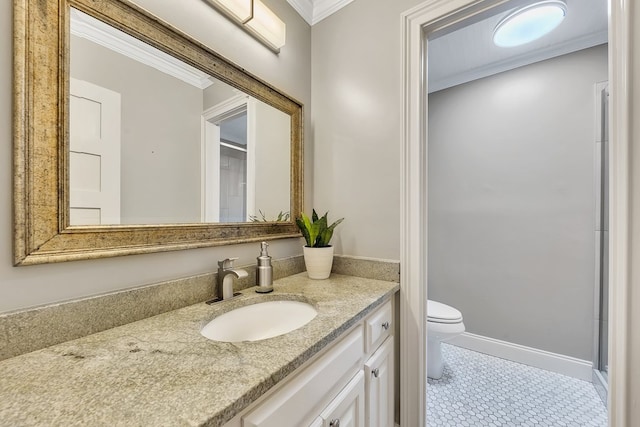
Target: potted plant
<point>318,253</point>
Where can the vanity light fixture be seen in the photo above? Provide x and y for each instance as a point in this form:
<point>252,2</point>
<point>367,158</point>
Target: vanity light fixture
<point>529,23</point>
<point>256,19</point>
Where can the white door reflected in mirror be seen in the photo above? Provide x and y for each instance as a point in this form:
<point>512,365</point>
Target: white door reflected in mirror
<point>94,157</point>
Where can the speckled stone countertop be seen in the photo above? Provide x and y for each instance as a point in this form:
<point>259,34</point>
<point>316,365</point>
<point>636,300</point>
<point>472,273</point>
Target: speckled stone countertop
<point>160,371</point>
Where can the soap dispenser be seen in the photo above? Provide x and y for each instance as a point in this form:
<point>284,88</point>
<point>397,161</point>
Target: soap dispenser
<point>264,271</point>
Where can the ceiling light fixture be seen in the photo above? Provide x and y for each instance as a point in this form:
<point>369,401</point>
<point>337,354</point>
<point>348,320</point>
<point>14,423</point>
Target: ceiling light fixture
<point>529,23</point>
<point>255,18</point>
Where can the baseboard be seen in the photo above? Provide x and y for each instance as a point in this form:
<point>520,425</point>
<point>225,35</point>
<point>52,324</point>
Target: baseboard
<point>566,365</point>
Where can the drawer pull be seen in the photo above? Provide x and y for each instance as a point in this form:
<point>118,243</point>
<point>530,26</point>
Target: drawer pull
<point>334,423</point>
<point>375,373</point>
<point>385,325</point>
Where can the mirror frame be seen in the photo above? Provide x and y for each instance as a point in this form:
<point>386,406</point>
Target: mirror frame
<point>42,233</point>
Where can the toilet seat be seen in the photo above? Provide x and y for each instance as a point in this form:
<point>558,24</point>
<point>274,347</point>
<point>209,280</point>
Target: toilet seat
<point>442,313</point>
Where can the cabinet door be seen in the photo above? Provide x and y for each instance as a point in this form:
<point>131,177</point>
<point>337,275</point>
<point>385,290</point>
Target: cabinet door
<point>379,386</point>
<point>347,409</point>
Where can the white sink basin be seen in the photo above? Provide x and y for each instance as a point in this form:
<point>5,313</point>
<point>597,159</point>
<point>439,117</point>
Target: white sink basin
<point>259,321</point>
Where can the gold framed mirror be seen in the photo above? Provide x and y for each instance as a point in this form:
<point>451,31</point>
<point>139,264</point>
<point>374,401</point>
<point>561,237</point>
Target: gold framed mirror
<point>54,173</point>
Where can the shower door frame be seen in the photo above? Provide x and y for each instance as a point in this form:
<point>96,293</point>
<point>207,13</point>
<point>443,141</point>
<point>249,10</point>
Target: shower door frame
<point>599,375</point>
<point>416,24</point>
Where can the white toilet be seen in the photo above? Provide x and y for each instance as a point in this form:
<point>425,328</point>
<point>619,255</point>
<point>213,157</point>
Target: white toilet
<point>443,323</point>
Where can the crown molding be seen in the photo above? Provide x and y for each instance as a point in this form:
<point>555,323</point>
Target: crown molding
<point>304,9</point>
<point>573,45</point>
<point>324,8</point>
<point>314,11</point>
<point>87,27</point>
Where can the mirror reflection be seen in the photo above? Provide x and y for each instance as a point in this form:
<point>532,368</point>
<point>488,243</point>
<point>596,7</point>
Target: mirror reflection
<point>154,140</point>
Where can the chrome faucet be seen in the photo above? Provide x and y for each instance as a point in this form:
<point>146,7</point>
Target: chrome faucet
<point>226,273</point>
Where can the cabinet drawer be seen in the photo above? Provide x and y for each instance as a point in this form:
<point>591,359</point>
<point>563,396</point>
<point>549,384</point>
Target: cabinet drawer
<point>378,326</point>
<point>292,404</point>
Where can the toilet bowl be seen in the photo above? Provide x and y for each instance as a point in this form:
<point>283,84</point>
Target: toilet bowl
<point>443,323</point>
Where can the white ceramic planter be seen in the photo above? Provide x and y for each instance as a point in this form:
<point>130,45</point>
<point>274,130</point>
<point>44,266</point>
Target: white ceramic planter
<point>318,261</point>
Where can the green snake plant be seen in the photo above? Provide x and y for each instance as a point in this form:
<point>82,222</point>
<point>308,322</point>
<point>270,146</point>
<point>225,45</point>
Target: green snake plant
<point>316,230</point>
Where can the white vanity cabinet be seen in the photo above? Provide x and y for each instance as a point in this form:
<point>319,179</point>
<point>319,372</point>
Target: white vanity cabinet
<point>350,384</point>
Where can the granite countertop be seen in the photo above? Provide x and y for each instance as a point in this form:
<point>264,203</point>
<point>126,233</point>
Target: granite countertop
<point>161,371</point>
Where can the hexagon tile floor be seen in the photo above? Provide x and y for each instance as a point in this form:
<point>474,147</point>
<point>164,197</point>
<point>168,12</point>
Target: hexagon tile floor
<point>480,390</point>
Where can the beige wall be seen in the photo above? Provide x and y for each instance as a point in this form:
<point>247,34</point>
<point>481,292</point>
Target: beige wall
<point>356,125</point>
<point>273,161</point>
<point>217,93</point>
<point>160,136</point>
<point>34,285</point>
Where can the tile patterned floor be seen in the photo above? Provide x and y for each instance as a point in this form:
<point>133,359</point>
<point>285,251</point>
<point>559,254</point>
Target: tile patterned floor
<point>480,390</point>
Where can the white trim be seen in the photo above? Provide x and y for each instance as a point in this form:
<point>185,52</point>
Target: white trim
<point>413,204</point>
<point>314,11</point>
<point>252,138</point>
<point>412,231</point>
<point>620,57</point>
<point>225,109</point>
<point>85,26</point>
<point>210,154</point>
<point>304,9</point>
<point>513,62</point>
<point>554,362</point>
<point>324,8</point>
<point>209,172</point>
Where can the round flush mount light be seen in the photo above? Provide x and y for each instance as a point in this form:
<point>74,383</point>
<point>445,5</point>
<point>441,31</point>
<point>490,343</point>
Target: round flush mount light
<point>529,23</point>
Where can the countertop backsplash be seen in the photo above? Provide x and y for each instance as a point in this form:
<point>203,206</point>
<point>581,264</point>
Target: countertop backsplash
<point>32,329</point>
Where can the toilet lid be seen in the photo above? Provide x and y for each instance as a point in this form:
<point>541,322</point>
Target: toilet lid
<point>442,313</point>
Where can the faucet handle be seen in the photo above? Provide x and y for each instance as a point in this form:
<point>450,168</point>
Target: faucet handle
<point>226,264</point>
